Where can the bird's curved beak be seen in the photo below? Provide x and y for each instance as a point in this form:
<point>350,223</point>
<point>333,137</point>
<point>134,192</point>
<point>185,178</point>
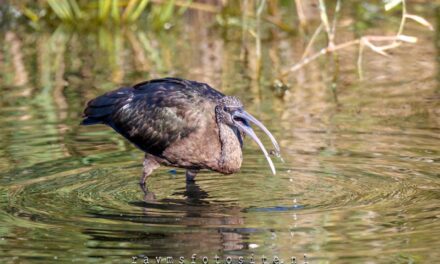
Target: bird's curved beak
<point>240,115</point>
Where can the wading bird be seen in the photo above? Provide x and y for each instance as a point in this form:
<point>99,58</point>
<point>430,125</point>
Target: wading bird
<point>179,123</point>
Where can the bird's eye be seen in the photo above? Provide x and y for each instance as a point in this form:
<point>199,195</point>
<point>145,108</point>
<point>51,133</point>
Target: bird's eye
<point>225,109</point>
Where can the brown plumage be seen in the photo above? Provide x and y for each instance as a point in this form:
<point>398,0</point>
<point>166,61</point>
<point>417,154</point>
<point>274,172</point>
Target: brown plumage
<point>178,123</point>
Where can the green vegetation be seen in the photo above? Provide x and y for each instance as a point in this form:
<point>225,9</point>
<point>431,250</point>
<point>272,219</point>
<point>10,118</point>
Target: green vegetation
<point>96,13</point>
<point>69,10</point>
<point>76,12</point>
<point>119,23</point>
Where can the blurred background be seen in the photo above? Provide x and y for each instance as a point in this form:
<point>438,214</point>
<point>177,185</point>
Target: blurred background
<point>351,89</point>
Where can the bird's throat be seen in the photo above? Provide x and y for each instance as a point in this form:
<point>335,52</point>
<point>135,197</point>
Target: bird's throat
<point>231,155</point>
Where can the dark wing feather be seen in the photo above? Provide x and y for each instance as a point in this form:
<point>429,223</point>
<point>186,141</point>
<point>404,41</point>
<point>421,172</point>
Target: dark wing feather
<point>100,109</point>
<point>154,114</point>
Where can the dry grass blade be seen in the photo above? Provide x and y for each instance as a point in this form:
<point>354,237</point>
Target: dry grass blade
<point>391,4</point>
<point>324,17</point>
<point>359,61</point>
<point>335,18</point>
<point>420,20</point>
<point>374,48</point>
<point>365,41</point>
<point>300,12</point>
<point>408,39</point>
<point>312,40</point>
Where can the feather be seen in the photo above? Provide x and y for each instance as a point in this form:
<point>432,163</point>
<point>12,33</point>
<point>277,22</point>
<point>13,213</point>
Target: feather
<point>153,114</point>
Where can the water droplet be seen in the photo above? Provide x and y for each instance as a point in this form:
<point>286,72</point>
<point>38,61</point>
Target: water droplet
<point>253,245</point>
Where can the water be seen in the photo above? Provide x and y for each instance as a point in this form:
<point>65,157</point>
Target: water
<point>360,182</point>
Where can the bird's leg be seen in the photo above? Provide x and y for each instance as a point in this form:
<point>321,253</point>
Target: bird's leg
<point>190,175</point>
<point>149,166</point>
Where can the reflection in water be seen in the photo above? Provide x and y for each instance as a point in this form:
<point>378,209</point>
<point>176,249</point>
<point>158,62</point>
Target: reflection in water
<point>362,159</point>
<point>198,224</point>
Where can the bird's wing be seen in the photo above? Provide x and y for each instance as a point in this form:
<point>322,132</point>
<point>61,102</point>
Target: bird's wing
<point>155,114</point>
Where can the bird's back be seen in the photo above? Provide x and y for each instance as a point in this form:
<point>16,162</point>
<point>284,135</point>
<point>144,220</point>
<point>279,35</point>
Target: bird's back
<point>155,114</point>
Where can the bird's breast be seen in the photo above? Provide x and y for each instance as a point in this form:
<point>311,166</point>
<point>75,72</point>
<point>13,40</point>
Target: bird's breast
<point>231,155</point>
<point>211,146</point>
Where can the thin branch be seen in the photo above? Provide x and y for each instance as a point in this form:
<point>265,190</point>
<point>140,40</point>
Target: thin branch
<point>376,49</point>
<point>312,40</point>
<point>359,62</point>
<point>313,57</point>
<point>335,18</point>
<point>324,18</point>
<point>259,11</point>
<point>300,12</point>
<point>365,40</point>
<point>402,22</point>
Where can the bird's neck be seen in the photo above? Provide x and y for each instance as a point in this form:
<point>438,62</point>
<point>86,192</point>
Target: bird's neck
<point>231,155</point>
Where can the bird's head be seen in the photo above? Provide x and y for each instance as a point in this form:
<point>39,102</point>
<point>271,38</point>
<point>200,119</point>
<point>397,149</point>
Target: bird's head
<point>230,111</point>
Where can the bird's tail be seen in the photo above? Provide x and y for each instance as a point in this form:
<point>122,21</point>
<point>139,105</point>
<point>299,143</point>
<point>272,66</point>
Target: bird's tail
<point>99,110</point>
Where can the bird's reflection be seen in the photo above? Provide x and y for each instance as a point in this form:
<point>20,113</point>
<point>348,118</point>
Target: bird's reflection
<point>193,195</point>
<point>186,222</point>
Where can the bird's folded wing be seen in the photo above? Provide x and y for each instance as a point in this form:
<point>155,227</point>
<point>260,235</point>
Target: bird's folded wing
<point>156,113</point>
<point>153,122</point>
